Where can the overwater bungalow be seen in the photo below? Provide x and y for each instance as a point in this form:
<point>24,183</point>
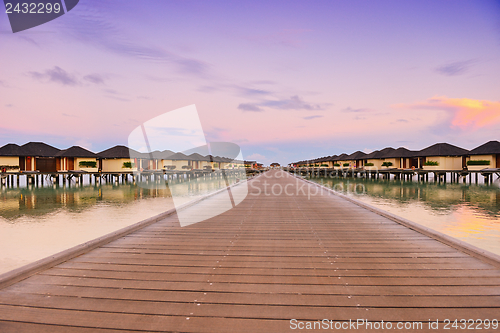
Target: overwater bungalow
<point>485,156</point>
<point>177,161</point>
<point>164,161</point>
<point>198,162</point>
<point>442,156</point>
<point>217,162</point>
<point>150,161</point>
<point>316,163</point>
<point>375,160</point>
<point>356,159</point>
<point>341,161</point>
<point>119,159</point>
<point>313,163</point>
<point>330,160</point>
<point>250,164</point>
<point>401,158</point>
<point>76,158</point>
<point>227,163</point>
<point>238,164</point>
<point>10,156</point>
<point>38,156</point>
<point>324,162</point>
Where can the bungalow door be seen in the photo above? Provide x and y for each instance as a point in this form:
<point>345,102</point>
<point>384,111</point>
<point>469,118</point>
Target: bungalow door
<point>28,163</point>
<point>498,161</point>
<point>22,164</point>
<point>71,163</point>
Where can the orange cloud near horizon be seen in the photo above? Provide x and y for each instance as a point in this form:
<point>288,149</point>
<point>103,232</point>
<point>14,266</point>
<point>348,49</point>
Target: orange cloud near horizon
<point>467,113</point>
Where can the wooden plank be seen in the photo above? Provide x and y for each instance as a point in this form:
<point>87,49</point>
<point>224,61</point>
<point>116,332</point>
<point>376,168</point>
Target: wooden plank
<point>210,310</point>
<point>277,272</point>
<point>433,301</point>
<point>334,279</point>
<point>272,286</point>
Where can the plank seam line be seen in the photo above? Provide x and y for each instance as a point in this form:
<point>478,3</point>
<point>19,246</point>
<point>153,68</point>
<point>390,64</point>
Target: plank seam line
<point>353,306</point>
<point>364,294</point>
<point>77,326</point>
<point>21,273</point>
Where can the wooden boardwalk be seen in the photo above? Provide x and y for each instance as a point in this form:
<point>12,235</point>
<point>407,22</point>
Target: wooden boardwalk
<point>271,259</point>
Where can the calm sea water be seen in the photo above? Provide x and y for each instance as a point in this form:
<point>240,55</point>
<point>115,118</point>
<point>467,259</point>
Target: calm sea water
<point>468,212</point>
<point>38,222</point>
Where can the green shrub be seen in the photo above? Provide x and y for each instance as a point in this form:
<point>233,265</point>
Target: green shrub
<point>387,164</point>
<point>128,165</point>
<point>431,163</point>
<point>478,162</point>
<point>369,164</point>
<point>345,164</point>
<point>336,164</point>
<point>324,165</point>
<point>87,164</point>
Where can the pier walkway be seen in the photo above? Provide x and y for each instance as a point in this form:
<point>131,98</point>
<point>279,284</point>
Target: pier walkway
<point>307,256</point>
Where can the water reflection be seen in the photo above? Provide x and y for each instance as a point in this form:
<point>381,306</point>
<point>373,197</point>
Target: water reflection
<point>40,201</point>
<point>468,212</point>
<point>440,198</point>
<point>41,221</point>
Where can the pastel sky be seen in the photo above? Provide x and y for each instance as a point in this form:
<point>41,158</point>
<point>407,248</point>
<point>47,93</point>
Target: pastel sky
<point>286,80</point>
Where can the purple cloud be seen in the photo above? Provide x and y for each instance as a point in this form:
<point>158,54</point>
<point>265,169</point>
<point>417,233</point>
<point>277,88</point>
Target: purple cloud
<point>250,107</point>
<point>349,109</point>
<point>312,117</point>
<point>293,103</point>
<point>94,78</point>
<point>56,74</point>
<point>455,68</point>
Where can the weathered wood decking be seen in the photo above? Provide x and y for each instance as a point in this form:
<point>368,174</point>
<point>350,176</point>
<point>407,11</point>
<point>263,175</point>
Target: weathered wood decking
<point>252,269</point>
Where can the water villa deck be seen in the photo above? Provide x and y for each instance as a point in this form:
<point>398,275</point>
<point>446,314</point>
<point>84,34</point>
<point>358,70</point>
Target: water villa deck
<point>488,175</point>
<point>273,258</point>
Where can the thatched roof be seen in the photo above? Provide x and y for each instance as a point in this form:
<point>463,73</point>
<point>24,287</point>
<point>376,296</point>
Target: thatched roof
<point>119,152</point>
<point>10,149</point>
<point>166,153</point>
<point>331,158</point>
<point>341,157</point>
<point>379,153</point>
<point>76,151</point>
<point>359,155</point>
<point>196,157</point>
<point>178,157</point>
<point>442,149</point>
<point>218,159</point>
<point>490,147</point>
<point>38,149</point>
<point>401,152</point>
